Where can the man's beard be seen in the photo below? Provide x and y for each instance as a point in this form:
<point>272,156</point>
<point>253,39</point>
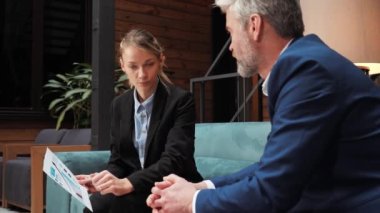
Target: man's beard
<point>248,66</point>
<point>245,71</point>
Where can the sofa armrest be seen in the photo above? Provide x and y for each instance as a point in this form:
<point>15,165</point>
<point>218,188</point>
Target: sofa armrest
<point>4,143</point>
<point>12,150</point>
<point>57,199</point>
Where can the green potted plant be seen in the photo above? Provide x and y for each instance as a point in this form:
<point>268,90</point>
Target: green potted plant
<point>72,93</point>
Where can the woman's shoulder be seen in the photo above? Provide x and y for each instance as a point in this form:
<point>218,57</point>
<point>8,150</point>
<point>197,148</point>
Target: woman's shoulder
<point>125,96</point>
<point>176,91</point>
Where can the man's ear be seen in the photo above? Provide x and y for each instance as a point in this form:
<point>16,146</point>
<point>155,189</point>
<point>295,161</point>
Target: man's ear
<point>255,25</point>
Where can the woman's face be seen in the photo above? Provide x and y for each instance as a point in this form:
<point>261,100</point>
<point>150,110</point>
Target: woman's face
<point>142,68</point>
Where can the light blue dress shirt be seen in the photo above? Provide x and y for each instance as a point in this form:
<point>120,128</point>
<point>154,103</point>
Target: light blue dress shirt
<point>143,112</point>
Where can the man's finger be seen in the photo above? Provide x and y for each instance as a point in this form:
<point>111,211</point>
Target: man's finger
<point>158,203</point>
<point>172,178</point>
<point>155,190</point>
<point>163,184</point>
<point>150,201</point>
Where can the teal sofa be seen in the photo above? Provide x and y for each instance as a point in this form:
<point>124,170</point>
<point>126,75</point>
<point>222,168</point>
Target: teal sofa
<point>220,148</point>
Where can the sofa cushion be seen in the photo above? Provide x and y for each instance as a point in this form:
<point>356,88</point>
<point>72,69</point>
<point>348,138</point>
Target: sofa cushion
<point>210,167</point>
<point>223,148</point>
<point>17,178</point>
<point>49,136</point>
<point>76,137</point>
<point>234,141</point>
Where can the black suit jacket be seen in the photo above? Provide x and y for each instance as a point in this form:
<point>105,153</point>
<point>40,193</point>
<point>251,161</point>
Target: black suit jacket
<point>170,140</point>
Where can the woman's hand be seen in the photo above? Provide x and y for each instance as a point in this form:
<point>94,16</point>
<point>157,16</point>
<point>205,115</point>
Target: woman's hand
<point>105,183</point>
<point>86,181</point>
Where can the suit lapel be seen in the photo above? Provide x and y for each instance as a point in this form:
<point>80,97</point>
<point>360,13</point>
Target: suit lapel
<point>159,103</point>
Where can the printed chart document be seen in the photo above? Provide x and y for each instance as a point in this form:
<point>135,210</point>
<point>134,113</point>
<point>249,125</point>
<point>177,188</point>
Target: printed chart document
<point>56,170</point>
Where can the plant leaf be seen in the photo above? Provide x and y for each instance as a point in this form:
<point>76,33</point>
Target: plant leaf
<point>55,102</point>
<point>60,76</point>
<point>51,85</point>
<point>74,91</point>
<point>83,76</point>
<point>86,94</point>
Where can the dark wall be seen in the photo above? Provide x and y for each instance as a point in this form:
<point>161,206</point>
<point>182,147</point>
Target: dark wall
<point>224,90</point>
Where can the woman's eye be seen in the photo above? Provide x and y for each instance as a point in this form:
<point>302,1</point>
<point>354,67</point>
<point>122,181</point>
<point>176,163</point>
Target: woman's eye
<point>132,67</point>
<point>149,64</point>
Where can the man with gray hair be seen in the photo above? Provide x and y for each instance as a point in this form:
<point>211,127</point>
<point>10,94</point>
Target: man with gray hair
<point>323,152</point>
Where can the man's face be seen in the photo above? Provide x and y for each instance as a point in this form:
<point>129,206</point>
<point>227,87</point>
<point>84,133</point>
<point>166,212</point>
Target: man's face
<point>241,46</point>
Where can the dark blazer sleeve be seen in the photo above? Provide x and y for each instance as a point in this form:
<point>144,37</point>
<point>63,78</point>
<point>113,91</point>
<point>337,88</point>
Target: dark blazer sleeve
<point>300,106</point>
<point>121,132</point>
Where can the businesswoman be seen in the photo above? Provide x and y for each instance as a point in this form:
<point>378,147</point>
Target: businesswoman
<point>152,131</point>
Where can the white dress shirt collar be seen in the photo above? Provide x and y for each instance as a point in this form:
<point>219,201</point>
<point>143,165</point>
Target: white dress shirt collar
<point>265,83</point>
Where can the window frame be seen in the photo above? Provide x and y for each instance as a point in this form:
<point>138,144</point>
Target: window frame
<point>36,111</point>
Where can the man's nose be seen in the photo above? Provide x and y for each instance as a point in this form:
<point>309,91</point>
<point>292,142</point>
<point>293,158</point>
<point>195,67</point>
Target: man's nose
<point>230,47</point>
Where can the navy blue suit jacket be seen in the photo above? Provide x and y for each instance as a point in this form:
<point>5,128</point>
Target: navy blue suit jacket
<point>323,152</point>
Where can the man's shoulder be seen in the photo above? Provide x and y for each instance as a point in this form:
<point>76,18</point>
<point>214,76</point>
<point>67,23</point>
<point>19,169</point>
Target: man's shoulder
<point>306,50</point>
<point>307,47</point>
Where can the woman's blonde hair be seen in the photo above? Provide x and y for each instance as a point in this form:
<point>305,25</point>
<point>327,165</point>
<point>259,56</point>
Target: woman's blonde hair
<point>145,40</point>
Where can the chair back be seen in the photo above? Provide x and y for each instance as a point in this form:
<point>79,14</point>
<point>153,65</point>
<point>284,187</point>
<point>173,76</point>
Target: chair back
<point>50,136</point>
<point>76,137</point>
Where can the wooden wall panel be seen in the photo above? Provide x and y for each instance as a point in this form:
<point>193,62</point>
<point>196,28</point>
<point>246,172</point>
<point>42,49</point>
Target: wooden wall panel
<point>184,29</point>
<point>200,7</point>
<point>11,131</point>
<point>9,135</point>
<point>352,30</point>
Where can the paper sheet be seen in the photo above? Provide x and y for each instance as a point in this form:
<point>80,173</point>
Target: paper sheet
<point>56,170</point>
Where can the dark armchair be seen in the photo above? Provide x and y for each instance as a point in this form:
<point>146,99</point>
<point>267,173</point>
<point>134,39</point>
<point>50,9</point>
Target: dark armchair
<point>45,136</point>
<point>23,177</point>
